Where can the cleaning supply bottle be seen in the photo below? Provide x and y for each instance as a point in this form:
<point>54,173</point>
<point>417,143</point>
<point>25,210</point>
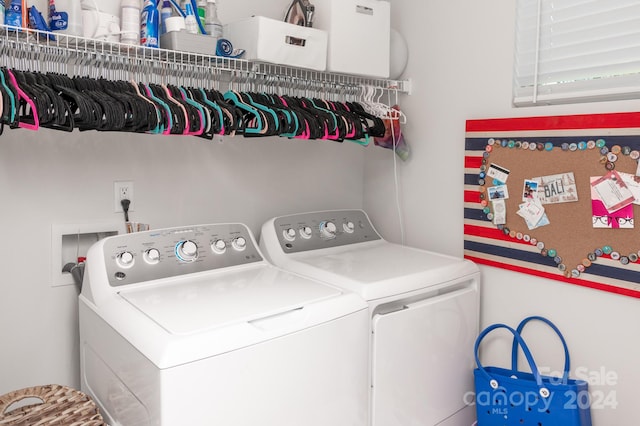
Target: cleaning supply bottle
<point>13,15</point>
<point>212,23</point>
<point>190,20</point>
<point>130,22</point>
<point>65,17</point>
<point>165,12</point>
<point>149,24</point>
<point>202,11</point>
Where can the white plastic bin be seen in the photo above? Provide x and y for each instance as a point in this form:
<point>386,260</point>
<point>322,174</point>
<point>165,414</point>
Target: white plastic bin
<point>359,35</point>
<point>278,42</point>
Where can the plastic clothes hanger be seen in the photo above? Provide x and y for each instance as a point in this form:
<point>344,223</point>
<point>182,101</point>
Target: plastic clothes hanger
<point>86,113</point>
<point>198,123</point>
<point>288,123</point>
<point>312,128</point>
<point>301,129</point>
<point>333,131</point>
<point>323,119</point>
<point>208,114</point>
<point>217,117</point>
<point>274,125</point>
<point>165,93</point>
<point>130,118</point>
<point>113,117</point>
<point>234,117</point>
<point>61,116</point>
<point>159,111</point>
<point>10,110</point>
<point>193,119</point>
<point>253,114</point>
<point>169,116</point>
<point>23,102</point>
<point>268,123</point>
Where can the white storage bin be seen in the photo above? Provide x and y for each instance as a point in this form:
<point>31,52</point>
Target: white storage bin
<point>269,40</point>
<point>183,41</point>
<point>359,35</point>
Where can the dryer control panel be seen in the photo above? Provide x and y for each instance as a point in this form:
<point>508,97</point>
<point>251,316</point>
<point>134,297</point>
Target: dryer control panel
<point>164,253</point>
<point>318,230</point>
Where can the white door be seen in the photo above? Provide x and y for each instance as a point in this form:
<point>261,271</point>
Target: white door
<point>423,359</point>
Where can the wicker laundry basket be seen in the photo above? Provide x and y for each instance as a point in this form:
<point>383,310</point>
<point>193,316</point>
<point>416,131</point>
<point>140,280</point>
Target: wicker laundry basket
<point>60,405</point>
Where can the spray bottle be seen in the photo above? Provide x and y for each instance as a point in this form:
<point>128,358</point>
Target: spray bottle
<point>149,24</point>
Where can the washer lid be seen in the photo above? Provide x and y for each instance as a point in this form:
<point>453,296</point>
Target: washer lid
<point>192,305</point>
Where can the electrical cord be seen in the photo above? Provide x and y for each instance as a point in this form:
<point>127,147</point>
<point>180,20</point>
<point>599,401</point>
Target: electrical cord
<point>125,207</point>
<point>394,137</point>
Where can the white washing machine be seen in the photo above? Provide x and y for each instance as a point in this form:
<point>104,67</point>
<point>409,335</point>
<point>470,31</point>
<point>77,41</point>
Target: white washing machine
<point>423,308</point>
<point>191,326</point>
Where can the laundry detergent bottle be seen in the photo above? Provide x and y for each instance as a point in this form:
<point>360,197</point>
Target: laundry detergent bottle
<point>150,24</point>
<point>65,17</point>
<point>13,14</point>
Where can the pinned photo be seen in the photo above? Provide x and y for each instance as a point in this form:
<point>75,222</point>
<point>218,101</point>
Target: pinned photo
<point>499,192</point>
<point>530,190</point>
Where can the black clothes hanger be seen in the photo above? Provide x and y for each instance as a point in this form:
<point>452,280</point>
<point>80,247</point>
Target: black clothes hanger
<point>178,117</point>
<point>32,99</point>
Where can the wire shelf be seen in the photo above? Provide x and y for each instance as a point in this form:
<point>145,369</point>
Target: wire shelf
<point>32,50</point>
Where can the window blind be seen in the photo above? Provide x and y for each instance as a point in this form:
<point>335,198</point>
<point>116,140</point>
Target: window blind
<point>576,51</point>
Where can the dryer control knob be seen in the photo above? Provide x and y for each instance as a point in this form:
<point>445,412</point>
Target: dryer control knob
<point>306,232</point>
<point>152,256</point>
<point>219,246</point>
<point>125,259</point>
<point>328,230</point>
<point>349,227</point>
<point>187,251</point>
<point>239,243</point>
<point>289,234</point>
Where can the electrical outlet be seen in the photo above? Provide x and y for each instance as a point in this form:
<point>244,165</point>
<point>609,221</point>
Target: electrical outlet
<point>122,190</point>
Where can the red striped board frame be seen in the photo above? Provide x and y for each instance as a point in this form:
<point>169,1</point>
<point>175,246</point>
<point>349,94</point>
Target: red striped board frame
<point>486,244</point>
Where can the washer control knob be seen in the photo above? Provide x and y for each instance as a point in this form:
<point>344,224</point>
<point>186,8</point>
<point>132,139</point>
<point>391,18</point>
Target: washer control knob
<point>187,251</point>
<point>152,256</point>
<point>349,227</point>
<point>306,232</point>
<point>289,234</point>
<point>328,230</point>
<point>239,243</point>
<point>219,246</point>
<point>125,259</point>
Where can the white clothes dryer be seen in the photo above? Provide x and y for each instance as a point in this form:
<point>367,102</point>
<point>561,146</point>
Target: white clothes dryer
<point>423,307</point>
<point>191,326</point>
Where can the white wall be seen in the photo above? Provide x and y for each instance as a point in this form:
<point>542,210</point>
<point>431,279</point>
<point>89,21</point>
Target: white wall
<point>460,63</point>
<point>50,177</point>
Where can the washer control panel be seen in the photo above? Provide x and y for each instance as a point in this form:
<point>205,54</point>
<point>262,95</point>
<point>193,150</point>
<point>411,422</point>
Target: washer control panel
<point>318,230</point>
<point>150,255</point>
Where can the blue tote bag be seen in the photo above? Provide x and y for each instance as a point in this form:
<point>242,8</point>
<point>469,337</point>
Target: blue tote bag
<point>509,397</point>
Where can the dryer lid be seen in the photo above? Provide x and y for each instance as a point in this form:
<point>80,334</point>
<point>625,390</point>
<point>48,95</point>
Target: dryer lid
<point>193,305</point>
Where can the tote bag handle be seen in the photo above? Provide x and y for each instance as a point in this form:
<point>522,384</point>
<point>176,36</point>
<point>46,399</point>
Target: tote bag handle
<point>517,338</point>
<point>514,348</point>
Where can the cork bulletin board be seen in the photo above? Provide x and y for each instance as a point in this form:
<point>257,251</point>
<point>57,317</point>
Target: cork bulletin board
<point>557,197</point>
